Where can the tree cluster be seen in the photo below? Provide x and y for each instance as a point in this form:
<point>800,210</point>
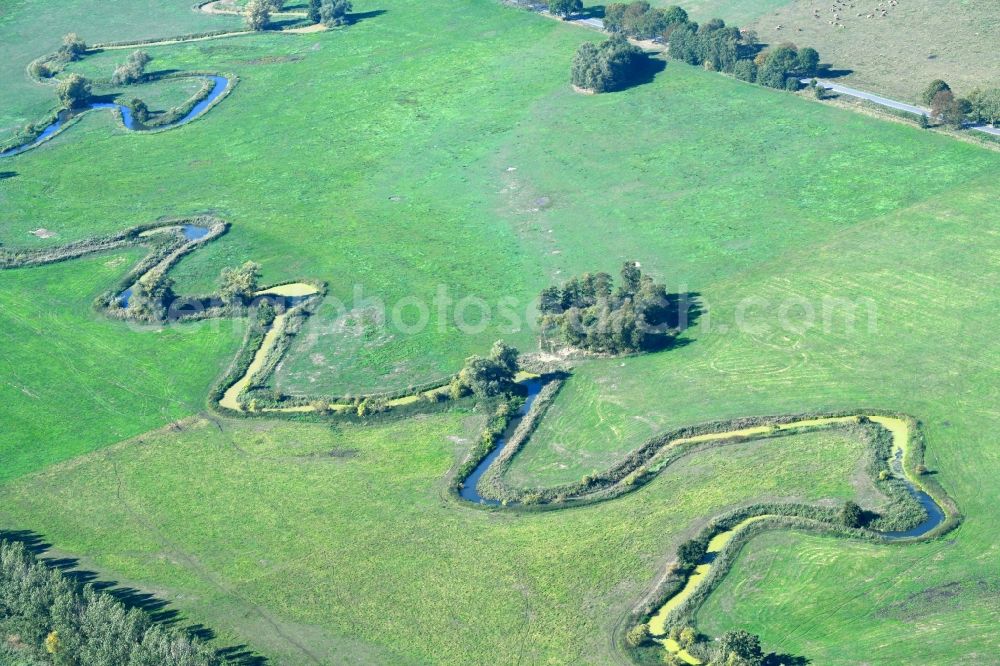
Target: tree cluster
<point>640,20</point>
<point>587,312</point>
<point>608,66</point>
<point>981,106</point>
<point>723,48</point>
<point>132,70</point>
<point>46,619</point>
<point>489,376</point>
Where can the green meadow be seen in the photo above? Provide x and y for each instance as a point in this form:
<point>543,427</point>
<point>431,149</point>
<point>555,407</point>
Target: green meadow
<point>314,544</point>
<point>439,146</point>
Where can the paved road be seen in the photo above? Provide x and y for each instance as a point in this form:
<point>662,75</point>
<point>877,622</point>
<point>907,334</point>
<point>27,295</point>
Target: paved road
<point>893,104</point>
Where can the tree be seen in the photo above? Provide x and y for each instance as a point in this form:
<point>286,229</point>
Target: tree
<point>808,61</point>
<point>238,285</point>
<point>505,356</point>
<point>73,91</point>
<point>313,13</point>
<point>565,8</point>
<point>73,48</point>
<point>851,515</point>
<point>132,70</point>
<point>334,12</point>
<point>742,645</point>
<point>631,277</point>
<point>690,553</point>
<point>924,122</point>
<point>140,112</point>
<point>606,67</point>
<point>777,66</point>
<point>935,87</point>
<point>745,70</point>
<point>257,14</point>
<point>276,5</point>
<point>688,636</point>
<point>675,14</point>
<point>52,644</point>
<point>951,111</point>
<point>492,376</point>
<point>986,105</point>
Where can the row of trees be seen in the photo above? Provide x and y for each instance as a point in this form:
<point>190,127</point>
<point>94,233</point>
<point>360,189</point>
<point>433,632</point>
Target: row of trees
<point>640,20</point>
<point>980,106</point>
<point>722,48</point>
<point>45,618</point>
<point>608,66</point>
<point>588,312</point>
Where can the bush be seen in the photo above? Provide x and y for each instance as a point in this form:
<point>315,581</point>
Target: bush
<point>40,69</point>
<point>638,635</point>
<point>238,285</point>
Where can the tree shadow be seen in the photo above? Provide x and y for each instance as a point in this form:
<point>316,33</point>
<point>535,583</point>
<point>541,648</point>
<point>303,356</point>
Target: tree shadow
<point>357,17</point>
<point>775,659</point>
<point>156,609</point>
<point>594,11</point>
<point>279,24</point>
<point>826,71</point>
<point>4,175</point>
<point>683,310</point>
<point>645,71</point>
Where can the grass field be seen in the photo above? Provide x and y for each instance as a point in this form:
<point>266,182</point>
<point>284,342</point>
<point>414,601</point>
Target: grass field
<point>342,541</point>
<point>32,28</point>
<point>407,153</point>
<point>898,54</point>
<point>71,380</point>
